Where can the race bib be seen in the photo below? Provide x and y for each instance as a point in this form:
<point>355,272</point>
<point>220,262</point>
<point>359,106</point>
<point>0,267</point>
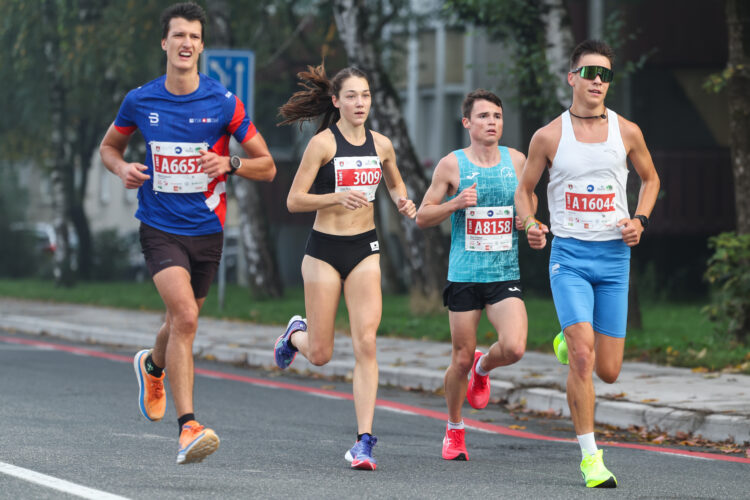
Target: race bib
<point>489,229</point>
<point>176,168</point>
<point>361,173</point>
<point>589,206</point>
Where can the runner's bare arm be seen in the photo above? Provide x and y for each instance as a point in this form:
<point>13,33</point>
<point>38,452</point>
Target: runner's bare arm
<point>393,180</point>
<point>637,151</point>
<point>445,181</point>
<point>319,151</point>
<point>532,171</point>
<point>518,159</point>
<point>258,166</point>
<point>112,151</point>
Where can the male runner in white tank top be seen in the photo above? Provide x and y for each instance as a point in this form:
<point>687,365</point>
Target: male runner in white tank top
<point>586,150</point>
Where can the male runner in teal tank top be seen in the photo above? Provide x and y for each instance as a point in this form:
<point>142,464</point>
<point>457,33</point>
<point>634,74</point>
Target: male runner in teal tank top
<point>479,183</point>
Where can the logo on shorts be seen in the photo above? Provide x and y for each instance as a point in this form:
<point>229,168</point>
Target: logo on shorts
<point>514,289</point>
<point>374,246</point>
<point>554,269</point>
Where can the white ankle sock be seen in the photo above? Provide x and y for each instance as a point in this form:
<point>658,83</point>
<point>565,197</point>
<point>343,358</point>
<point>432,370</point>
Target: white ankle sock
<point>457,426</point>
<point>588,444</point>
<point>481,372</point>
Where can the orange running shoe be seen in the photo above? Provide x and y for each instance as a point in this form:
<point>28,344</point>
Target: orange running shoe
<point>196,443</point>
<point>152,400</point>
<point>454,445</point>
<point>478,392</point>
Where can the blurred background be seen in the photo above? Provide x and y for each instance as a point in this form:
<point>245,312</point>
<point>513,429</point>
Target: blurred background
<point>66,65</point>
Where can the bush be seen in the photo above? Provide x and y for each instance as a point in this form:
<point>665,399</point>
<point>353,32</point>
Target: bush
<point>728,274</point>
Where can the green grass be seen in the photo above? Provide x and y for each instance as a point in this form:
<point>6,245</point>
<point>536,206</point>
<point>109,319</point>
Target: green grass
<point>676,334</point>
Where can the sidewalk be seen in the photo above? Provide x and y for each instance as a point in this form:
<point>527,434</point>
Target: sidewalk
<point>716,406</point>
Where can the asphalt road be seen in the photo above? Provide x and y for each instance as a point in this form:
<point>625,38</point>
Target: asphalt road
<point>71,429</point>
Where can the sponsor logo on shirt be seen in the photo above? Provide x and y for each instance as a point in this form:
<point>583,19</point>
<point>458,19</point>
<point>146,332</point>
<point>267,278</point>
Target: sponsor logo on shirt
<point>203,120</point>
<point>153,119</point>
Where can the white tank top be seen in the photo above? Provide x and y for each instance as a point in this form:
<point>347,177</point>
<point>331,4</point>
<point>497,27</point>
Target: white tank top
<point>586,191</point>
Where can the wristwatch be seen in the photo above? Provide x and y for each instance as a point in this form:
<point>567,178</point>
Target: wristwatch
<point>234,163</point>
<point>643,219</point>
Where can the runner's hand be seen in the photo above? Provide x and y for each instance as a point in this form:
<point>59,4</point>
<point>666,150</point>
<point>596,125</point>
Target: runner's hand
<point>132,175</point>
<point>406,207</point>
<point>213,165</point>
<point>353,199</point>
<point>631,232</point>
<point>537,236</point>
<point>467,197</point>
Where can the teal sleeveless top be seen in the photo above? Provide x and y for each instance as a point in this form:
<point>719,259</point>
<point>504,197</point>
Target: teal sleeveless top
<point>492,253</point>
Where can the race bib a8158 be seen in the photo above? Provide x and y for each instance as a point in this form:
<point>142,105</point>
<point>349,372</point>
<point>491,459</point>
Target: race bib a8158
<point>489,229</point>
<point>176,167</point>
<point>361,173</point>
<point>590,206</point>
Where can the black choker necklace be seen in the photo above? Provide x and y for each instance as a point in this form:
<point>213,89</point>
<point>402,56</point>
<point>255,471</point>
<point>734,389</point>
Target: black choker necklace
<point>602,116</point>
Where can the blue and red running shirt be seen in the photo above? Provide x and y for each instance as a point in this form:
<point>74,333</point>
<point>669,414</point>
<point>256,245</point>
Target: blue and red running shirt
<point>208,116</point>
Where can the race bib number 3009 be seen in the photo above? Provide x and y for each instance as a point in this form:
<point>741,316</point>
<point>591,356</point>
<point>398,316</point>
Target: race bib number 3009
<point>589,207</point>
<point>489,229</point>
<point>361,173</point>
<point>176,167</point>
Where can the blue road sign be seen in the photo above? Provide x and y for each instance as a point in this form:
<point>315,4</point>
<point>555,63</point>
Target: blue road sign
<point>235,69</point>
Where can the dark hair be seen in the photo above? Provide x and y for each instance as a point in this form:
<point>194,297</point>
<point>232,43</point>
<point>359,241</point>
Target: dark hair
<point>315,99</point>
<point>591,47</point>
<point>186,10</point>
<point>478,95</point>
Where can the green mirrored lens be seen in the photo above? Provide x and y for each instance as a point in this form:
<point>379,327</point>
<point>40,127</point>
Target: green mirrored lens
<point>590,72</point>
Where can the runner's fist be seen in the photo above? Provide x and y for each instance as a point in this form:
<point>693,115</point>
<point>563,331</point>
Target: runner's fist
<point>353,199</point>
<point>537,236</point>
<point>467,197</point>
<point>212,164</point>
<point>132,175</point>
<point>407,208</point>
<point>631,231</point>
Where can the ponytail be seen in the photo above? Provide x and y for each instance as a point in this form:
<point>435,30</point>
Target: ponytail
<point>316,97</point>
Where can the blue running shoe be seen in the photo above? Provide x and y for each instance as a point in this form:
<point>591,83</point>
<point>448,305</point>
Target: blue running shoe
<point>360,455</point>
<point>284,351</point>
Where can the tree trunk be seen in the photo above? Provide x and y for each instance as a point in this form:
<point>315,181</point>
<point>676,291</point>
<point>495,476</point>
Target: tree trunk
<point>426,253</point>
<point>738,88</point>
<point>559,37</point>
<point>262,268</point>
<point>62,173</point>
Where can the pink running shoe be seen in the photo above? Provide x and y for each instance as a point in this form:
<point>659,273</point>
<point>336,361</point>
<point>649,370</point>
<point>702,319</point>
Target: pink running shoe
<point>478,392</point>
<point>454,445</point>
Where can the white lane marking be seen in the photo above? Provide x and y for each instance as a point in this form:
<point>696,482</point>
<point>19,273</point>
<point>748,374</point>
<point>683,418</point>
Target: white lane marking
<point>150,437</point>
<point>56,483</point>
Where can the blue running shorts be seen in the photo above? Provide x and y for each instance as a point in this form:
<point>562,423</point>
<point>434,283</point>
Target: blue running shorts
<point>589,281</point>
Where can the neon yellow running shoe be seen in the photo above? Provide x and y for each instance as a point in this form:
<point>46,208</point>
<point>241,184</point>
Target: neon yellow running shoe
<point>595,473</point>
<point>561,348</point>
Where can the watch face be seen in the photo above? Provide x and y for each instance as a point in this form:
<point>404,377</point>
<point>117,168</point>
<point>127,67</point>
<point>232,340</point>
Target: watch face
<point>235,162</point>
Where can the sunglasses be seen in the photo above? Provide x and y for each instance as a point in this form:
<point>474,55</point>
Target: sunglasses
<point>590,72</point>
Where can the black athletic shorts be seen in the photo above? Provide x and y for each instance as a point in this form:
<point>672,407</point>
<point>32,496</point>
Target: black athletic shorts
<point>461,297</point>
<point>342,252</point>
<point>200,255</point>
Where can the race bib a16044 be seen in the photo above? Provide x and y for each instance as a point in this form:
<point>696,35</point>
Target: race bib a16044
<point>590,206</point>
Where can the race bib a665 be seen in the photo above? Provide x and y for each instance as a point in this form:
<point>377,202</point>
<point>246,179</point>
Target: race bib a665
<point>176,167</point>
